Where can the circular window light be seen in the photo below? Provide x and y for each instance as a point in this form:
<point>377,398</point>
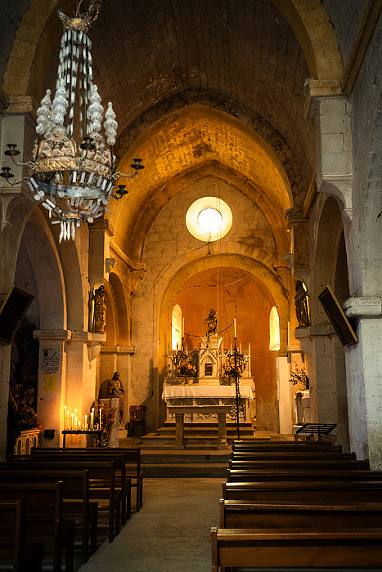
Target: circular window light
<point>209,219</point>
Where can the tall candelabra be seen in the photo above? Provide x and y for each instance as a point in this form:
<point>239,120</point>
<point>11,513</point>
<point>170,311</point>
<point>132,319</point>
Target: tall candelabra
<point>236,361</point>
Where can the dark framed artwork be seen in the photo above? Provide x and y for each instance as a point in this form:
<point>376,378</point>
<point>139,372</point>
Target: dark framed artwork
<point>337,317</point>
<point>12,311</point>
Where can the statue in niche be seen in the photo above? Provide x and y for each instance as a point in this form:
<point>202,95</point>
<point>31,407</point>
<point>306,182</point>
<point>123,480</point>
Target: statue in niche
<point>302,306</point>
<point>99,321</point>
<point>212,322</point>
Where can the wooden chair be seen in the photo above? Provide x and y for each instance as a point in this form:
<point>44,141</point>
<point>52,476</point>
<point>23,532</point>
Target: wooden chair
<point>137,416</point>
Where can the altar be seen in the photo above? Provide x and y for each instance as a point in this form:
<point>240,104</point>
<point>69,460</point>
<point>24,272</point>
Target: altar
<point>203,381</point>
<point>209,395</point>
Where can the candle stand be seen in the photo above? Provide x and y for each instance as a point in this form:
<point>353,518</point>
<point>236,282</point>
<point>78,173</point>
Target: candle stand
<point>97,432</point>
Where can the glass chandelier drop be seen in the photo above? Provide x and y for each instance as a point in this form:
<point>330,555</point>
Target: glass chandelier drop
<point>73,166</point>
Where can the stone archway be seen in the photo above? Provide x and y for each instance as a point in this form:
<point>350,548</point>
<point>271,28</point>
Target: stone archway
<point>329,401</point>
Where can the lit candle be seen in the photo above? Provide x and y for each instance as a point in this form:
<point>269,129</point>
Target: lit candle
<point>76,423</point>
<point>86,421</point>
<point>234,322</point>
<point>92,419</point>
<point>72,416</point>
<point>67,420</point>
<point>79,425</point>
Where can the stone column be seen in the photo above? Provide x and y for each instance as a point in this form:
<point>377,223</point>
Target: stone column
<point>364,379</point>
<point>51,382</point>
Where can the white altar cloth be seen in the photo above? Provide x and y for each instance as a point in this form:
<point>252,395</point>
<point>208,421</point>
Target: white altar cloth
<point>205,391</point>
<point>200,396</point>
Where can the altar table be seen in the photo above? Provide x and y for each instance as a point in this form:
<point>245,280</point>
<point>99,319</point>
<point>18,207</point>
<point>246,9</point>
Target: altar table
<point>201,396</point>
<point>220,410</point>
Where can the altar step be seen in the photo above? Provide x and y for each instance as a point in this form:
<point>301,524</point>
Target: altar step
<point>195,437</point>
<point>184,464</point>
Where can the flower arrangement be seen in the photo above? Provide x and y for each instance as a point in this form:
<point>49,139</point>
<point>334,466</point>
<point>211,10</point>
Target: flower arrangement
<point>186,368</point>
<point>299,376</point>
<point>107,416</point>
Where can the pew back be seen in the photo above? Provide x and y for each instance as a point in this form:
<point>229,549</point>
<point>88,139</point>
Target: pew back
<point>275,548</point>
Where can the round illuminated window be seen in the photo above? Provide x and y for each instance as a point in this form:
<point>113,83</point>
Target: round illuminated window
<point>209,219</point>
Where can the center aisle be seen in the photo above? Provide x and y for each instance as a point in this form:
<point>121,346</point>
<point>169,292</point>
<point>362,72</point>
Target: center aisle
<point>170,532</point>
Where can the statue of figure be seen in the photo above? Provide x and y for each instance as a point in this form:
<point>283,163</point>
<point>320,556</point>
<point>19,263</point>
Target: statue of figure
<point>212,322</point>
<point>116,389</point>
<point>99,309</point>
<point>301,303</point>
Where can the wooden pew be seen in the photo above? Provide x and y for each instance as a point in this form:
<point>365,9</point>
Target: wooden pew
<point>132,457</point>
<point>290,455</point>
<point>23,556</point>
<point>254,445</point>
<point>102,485</point>
<point>44,515</point>
<point>76,496</point>
<point>245,474</point>
<point>312,475</point>
<point>275,548</point>
<point>248,514</point>
<point>121,480</point>
<point>305,492</point>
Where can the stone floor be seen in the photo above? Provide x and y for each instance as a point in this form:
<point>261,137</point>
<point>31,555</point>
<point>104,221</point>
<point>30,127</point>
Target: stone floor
<point>170,532</point>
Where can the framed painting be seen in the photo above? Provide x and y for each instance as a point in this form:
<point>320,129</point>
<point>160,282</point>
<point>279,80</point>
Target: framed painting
<point>337,317</point>
<point>12,311</point>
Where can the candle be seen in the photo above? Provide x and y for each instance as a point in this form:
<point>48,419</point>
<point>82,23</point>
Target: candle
<point>65,427</point>
<point>86,422</point>
<point>79,425</point>
<point>234,322</point>
<point>92,419</point>
<point>67,420</point>
<point>71,426</point>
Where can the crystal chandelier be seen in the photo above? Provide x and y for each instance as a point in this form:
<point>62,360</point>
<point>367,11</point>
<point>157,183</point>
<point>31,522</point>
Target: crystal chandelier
<point>73,167</point>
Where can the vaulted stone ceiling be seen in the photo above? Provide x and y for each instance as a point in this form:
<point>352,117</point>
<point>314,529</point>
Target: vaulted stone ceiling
<point>195,84</point>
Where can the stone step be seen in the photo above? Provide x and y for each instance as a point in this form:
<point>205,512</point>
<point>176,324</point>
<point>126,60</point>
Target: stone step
<point>185,470</point>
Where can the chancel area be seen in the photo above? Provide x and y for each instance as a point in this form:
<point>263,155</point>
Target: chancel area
<point>190,234</point>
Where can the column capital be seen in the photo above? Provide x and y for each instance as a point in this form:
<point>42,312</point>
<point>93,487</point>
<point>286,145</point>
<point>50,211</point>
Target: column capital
<point>52,335</point>
<point>363,307</point>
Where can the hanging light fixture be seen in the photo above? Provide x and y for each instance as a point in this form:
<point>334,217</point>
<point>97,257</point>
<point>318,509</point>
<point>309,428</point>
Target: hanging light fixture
<point>73,167</point>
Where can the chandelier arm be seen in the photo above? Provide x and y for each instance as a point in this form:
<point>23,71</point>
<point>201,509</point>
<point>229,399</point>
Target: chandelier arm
<point>117,175</point>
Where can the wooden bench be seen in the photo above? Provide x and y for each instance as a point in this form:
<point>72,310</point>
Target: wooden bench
<point>102,484</point>
<point>76,496</point>
<point>306,492</point>
<point>277,548</point>
<point>313,475</point>
<point>132,458</point>
<point>242,470</point>
<point>255,445</point>
<point>15,551</point>
<point>248,514</point>
<point>290,455</point>
<point>121,481</point>
<point>44,517</point>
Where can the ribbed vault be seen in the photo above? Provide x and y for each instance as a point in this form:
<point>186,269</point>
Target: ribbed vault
<point>183,143</point>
